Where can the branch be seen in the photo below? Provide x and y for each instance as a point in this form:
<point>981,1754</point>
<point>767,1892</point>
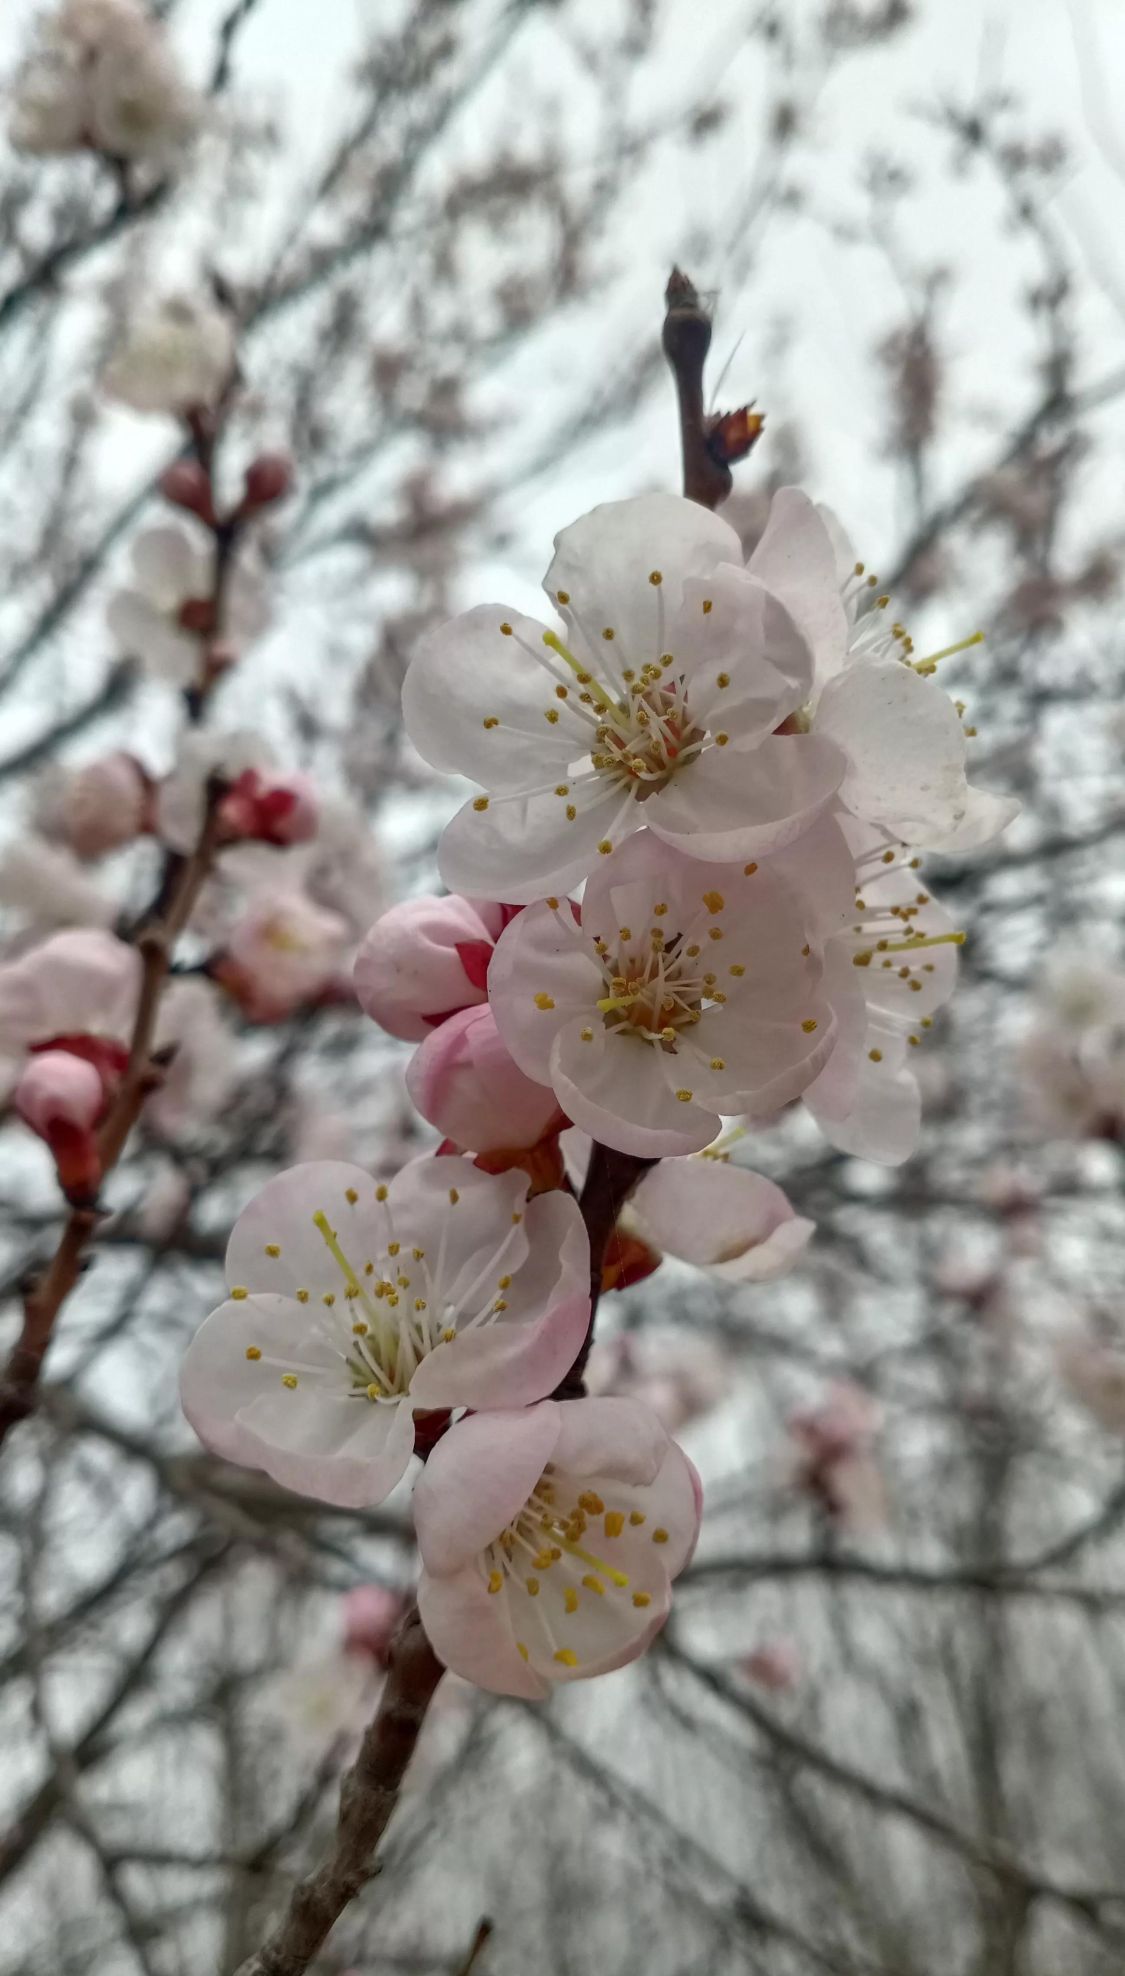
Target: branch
<point>368,1796</point>
<point>45,1297</point>
<point>610,1179</point>
<point>687,339</point>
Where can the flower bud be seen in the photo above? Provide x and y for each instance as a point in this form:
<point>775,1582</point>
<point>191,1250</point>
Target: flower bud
<point>61,1098</point>
<point>370,1615</point>
<point>425,960</point>
<point>186,485</point>
<point>464,1081</point>
<point>101,806</point>
<point>268,809</point>
<point>269,478</point>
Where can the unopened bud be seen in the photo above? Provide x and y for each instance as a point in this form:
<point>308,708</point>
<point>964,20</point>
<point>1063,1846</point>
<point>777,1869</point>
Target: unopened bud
<point>268,479</point>
<point>186,485</point>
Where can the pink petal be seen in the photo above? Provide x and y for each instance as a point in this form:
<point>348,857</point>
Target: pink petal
<point>732,803</point>
<point>477,1479</point>
<point>471,1634</point>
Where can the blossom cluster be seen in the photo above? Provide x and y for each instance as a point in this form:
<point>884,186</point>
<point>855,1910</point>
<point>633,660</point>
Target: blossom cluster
<point>687,895</point>
<point>100,76</point>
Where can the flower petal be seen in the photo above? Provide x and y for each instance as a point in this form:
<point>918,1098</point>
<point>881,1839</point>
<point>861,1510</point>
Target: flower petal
<point>469,673</point>
<point>526,845</point>
<point>905,749</point>
<point>613,1085</point>
<point>543,974</point>
<point>986,815</point>
<point>717,1215</point>
<point>610,1436</point>
<point>603,564</point>
<point>796,560</point>
<point>281,1219</point>
<point>885,1116</point>
<point>471,1634</point>
<point>731,803</point>
<point>477,1479</point>
<point>747,665</point>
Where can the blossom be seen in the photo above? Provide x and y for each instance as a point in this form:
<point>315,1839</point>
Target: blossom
<point>900,734</point>
<point>204,1071</point>
<point>1072,1060</point>
<point>166,614</point>
<point>370,1615</point>
<point>426,959</point>
<point>100,75</point>
<point>659,706</point>
<point>463,1080</point>
<point>354,1306</point>
<point>178,358</point>
<point>47,886</point>
<point>1094,1375</point>
<point>282,953</point>
<point>97,808</point>
<point>262,803</point>
<point>886,974</point>
<point>775,1665</point>
<point>732,1222</point>
<point>549,1541</point>
<point>67,1007</point>
<point>837,1465</point>
<point>688,991</point>
<point>678,1372</point>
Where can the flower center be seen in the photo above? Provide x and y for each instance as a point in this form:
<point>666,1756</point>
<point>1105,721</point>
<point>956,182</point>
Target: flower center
<point>552,1553</point>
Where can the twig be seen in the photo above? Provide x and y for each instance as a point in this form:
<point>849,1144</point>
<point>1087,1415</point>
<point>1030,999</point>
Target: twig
<point>368,1795</point>
<point>687,339</point>
<point>45,1297</point>
<point>479,1942</point>
<point>610,1179</point>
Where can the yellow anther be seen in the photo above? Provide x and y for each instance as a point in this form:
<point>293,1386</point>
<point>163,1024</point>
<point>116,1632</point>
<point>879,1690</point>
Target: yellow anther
<point>480,803</point>
<point>660,1536</point>
<point>253,1352</point>
<point>809,1024</point>
<point>490,721</point>
<point>714,901</point>
<point>684,1097</point>
<point>495,1581</point>
<point>718,1063</point>
<point>521,1650</point>
<point>707,607</point>
<point>737,970</point>
<point>532,1588</point>
<point>289,1379</point>
<point>655,577</point>
<point>721,740</point>
<point>566,1657</point>
<point>359,1330</point>
<point>636,1518</point>
<point>374,1390</point>
<point>605,847</point>
<point>642,1599</point>
<point>329,1298</point>
<point>591,1502</point>
<point>748,870</point>
<point>552,714</point>
<point>570,1599</point>
<point>380,1192</point>
<point>543,1001</point>
<point>571,812</point>
<point>448,1335</point>
<point>876,1056</point>
<point>587,1035</point>
<point>350,1196</point>
<point>507,630</point>
<point>861,960</point>
<point>454,1196</point>
<point>614,1522</point>
<point>723,680</point>
<point>302,1296</point>
<point>593,1584</point>
<point>239,1292</point>
<point>273,1248</point>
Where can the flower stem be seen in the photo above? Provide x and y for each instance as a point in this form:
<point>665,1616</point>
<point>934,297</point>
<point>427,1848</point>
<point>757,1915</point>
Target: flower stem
<point>610,1179</point>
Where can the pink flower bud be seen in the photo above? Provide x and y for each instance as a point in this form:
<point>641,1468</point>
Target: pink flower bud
<point>186,485</point>
<point>268,479</point>
<point>278,810</point>
<point>425,960</point>
<point>57,1088</point>
<point>61,1097</point>
<point>464,1081</point>
<point>102,806</point>
<point>370,1615</point>
<point>775,1666</point>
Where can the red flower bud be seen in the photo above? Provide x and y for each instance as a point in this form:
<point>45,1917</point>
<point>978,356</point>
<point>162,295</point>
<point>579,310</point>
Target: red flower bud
<point>186,485</point>
<point>268,479</point>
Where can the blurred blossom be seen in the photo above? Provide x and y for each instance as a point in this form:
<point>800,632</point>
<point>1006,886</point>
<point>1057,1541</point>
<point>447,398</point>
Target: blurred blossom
<point>775,1666</point>
<point>204,1071</point>
<point>1073,1057</point>
<point>370,1615</point>
<point>96,808</point>
<point>1094,1375</point>
<point>325,1699</point>
<point>680,1374</point>
<point>164,1203</point>
<point>176,358</point>
<point>164,616</point>
<point>463,1080</point>
<point>281,953</point>
<point>100,74</point>
<point>836,1463</point>
<point>46,886</point>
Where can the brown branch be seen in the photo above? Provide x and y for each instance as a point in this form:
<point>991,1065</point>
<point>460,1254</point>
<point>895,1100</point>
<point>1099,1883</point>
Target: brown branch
<point>610,1179</point>
<point>45,1296</point>
<point>687,339</point>
<point>368,1795</point>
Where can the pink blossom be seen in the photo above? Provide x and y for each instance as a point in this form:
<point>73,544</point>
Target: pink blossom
<point>425,960</point>
<point>837,1466</point>
<point>689,991</point>
<point>464,1081</point>
<point>677,1372</point>
<point>549,1541</point>
<point>722,1217</point>
<point>775,1665</point>
<point>447,1288</point>
<point>277,809</point>
<point>99,807</point>
<point>370,1615</point>
<point>282,953</point>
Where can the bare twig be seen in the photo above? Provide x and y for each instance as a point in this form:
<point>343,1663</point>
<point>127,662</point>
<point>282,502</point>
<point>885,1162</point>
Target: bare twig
<point>687,339</point>
<point>368,1796</point>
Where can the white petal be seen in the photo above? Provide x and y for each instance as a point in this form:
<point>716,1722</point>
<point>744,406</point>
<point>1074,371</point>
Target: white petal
<point>614,1086</point>
<point>468,672</point>
<point>746,664</point>
<point>471,1633</point>
<point>170,566</point>
<point>885,1115</point>
<point>524,847</point>
<point>541,957</point>
<point>281,1217</point>
<point>796,560</point>
<point>905,749</point>
<point>142,631</point>
<point>986,815</point>
<point>604,561</point>
<point>708,1212</point>
<point>477,1479</point>
<point>732,803</point>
